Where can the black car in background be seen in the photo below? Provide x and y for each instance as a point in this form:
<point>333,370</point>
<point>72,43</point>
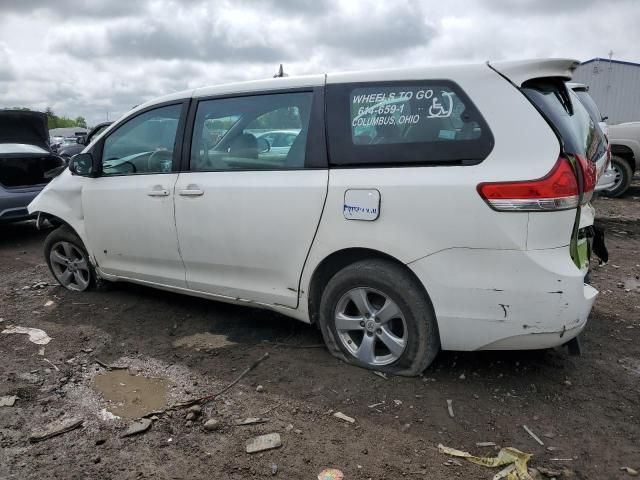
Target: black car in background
<point>25,158</point>
<point>69,151</point>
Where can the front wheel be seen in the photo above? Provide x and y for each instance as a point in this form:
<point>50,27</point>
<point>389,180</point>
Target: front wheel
<point>374,314</point>
<point>68,260</point>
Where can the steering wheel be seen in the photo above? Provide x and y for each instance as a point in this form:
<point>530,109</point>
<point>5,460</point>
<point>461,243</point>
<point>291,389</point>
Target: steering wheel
<point>158,159</point>
<point>133,167</point>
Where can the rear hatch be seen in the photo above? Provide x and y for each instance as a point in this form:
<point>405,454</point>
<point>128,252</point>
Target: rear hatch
<point>568,188</point>
<point>25,156</point>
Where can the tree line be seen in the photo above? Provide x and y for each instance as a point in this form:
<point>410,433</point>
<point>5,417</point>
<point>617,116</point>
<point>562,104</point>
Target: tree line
<point>55,121</point>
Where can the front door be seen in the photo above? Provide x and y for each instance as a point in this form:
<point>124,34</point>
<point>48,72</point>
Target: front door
<point>247,211</point>
<point>128,209</point>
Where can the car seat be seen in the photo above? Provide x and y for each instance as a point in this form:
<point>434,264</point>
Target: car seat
<point>244,146</point>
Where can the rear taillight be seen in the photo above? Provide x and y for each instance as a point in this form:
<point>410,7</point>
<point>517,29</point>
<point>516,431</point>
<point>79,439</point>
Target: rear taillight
<point>589,175</point>
<point>558,190</point>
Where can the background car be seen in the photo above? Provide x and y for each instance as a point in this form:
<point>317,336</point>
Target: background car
<point>280,142</point>
<point>78,144</point>
<point>625,159</point>
<point>25,158</point>
<point>607,174</point>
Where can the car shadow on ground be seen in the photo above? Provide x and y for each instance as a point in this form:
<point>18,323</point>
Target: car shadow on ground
<point>19,232</point>
<point>181,320</point>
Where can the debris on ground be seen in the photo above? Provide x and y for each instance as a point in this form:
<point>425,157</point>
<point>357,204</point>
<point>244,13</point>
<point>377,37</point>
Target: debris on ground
<point>263,442</point>
<point>48,303</point>
<point>193,412</point>
<point>139,426</point>
<point>549,472</point>
<point>211,425</point>
<point>251,421</point>
<point>274,469</point>
<point>56,429</point>
<point>533,435</point>
<point>485,444</point>
<point>37,336</point>
<point>514,460</point>
<point>109,367</point>
<point>8,400</point>
<point>330,474</point>
<point>208,398</point>
<point>259,388</point>
<point>344,417</point>
<point>51,363</point>
<point>450,408</point>
<point>630,471</point>
<point>381,374</point>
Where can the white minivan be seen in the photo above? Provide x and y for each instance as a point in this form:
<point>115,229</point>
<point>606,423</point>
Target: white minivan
<point>415,209</point>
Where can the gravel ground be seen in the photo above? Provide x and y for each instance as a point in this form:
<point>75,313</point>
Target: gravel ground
<point>585,409</point>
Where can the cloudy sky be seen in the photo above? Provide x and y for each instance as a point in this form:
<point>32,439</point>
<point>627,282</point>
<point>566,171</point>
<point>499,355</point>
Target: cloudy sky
<point>99,58</point>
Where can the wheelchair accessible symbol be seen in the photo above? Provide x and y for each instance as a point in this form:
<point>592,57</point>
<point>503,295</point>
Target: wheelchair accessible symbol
<point>437,110</point>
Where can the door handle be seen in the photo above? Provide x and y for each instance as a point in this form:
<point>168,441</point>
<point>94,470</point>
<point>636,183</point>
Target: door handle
<point>158,192</point>
<point>191,191</point>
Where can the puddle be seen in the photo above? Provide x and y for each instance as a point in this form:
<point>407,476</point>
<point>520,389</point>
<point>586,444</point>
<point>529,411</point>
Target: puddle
<point>632,284</point>
<point>131,396</point>
<point>203,341</point>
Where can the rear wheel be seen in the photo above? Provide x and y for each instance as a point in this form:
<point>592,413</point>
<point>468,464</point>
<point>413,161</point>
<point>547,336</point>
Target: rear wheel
<point>624,175</point>
<point>68,260</point>
<point>374,314</point>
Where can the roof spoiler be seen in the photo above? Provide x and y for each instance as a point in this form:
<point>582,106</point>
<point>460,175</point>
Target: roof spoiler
<point>520,71</point>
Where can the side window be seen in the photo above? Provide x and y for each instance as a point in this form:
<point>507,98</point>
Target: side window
<point>247,132</point>
<point>395,123</point>
<point>144,144</point>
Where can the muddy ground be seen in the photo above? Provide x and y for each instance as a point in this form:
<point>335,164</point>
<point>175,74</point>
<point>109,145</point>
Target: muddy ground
<point>585,409</point>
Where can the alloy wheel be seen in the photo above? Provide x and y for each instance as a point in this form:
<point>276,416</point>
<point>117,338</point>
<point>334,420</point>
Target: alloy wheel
<point>70,266</point>
<point>371,326</point>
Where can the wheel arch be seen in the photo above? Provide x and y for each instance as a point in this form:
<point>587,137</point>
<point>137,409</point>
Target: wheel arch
<point>59,222</point>
<point>626,153</point>
<point>340,259</point>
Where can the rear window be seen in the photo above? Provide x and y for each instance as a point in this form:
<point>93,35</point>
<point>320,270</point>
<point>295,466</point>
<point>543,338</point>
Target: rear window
<point>578,130</point>
<point>403,123</point>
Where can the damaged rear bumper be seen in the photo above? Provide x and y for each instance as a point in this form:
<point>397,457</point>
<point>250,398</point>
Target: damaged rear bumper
<point>506,299</point>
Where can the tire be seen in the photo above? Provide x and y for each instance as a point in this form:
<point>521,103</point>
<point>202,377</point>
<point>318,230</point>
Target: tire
<point>624,176</point>
<point>361,339</point>
<point>68,260</point>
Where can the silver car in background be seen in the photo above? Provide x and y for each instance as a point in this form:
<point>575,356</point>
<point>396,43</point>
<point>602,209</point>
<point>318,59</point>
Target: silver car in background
<point>607,180</point>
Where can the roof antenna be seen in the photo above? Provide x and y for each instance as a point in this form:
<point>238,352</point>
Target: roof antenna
<point>280,73</point>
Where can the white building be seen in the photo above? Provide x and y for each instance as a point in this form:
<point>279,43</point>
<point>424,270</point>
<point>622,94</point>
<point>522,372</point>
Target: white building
<point>615,87</point>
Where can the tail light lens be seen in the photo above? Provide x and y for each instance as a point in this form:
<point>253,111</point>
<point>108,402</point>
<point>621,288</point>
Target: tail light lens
<point>590,176</point>
<point>558,190</point>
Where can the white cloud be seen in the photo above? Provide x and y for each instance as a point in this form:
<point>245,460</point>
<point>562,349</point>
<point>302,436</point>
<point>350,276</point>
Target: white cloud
<point>91,57</point>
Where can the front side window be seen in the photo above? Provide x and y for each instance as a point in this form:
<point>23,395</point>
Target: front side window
<point>143,145</point>
<point>405,123</point>
<point>261,132</point>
